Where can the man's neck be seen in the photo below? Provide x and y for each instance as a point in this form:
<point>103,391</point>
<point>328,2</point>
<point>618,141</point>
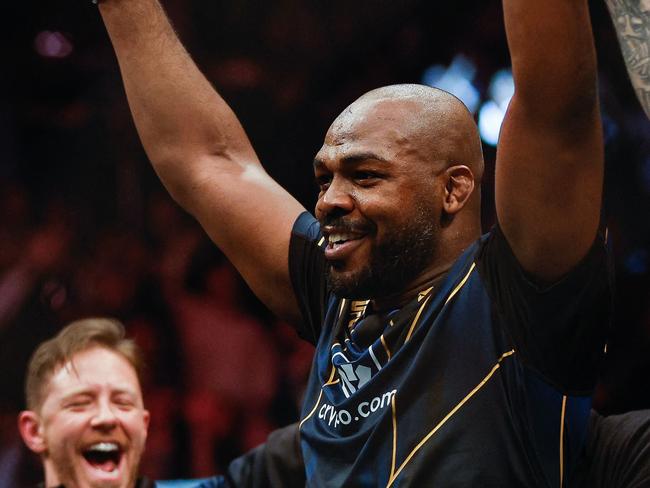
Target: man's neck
<point>425,281</point>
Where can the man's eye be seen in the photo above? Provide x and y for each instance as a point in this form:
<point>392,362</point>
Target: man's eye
<point>78,404</point>
<point>323,182</point>
<point>365,176</point>
<point>124,402</point>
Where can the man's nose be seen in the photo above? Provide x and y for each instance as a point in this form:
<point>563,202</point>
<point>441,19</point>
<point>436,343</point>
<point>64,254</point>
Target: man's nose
<point>104,417</point>
<point>336,199</point>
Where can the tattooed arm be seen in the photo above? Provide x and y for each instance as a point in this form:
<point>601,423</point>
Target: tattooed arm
<point>632,21</point>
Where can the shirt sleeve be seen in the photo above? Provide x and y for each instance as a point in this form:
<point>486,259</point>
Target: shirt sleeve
<point>276,464</point>
<point>307,271</point>
<point>559,329</point>
<point>618,451</point>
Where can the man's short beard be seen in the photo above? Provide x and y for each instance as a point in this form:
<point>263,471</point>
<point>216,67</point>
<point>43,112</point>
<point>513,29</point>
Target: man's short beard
<point>394,263</point>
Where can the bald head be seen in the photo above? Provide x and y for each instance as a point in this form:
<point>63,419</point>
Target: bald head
<point>398,177</point>
<point>444,129</point>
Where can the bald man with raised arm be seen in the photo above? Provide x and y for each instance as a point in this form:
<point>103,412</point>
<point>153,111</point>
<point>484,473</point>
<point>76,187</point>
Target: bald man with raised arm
<point>444,358</point>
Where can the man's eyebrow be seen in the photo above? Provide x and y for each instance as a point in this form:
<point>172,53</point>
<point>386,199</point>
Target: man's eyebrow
<point>125,391</point>
<point>90,391</point>
<point>81,392</point>
<point>354,158</point>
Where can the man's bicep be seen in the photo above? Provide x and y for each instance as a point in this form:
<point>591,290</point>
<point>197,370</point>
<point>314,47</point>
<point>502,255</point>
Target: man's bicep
<point>548,190</point>
<point>549,159</point>
<point>249,216</point>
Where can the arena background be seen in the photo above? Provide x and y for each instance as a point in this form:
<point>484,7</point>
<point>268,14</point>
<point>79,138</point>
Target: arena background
<point>86,229</point>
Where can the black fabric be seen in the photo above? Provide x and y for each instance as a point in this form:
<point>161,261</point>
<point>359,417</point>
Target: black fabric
<point>560,339</point>
<point>303,253</point>
<point>617,454</point>
<point>276,464</point>
<point>367,405</point>
<point>370,324</point>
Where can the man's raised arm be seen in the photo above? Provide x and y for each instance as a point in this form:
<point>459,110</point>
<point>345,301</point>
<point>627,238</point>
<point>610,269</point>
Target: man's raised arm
<point>632,22</point>
<point>200,151</point>
<point>549,171</point>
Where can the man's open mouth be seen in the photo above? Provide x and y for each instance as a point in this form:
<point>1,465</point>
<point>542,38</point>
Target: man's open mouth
<point>340,244</point>
<point>104,456</point>
<point>336,239</point>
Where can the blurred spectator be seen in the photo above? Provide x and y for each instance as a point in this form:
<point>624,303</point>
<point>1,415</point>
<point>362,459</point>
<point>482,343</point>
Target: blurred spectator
<point>231,366</point>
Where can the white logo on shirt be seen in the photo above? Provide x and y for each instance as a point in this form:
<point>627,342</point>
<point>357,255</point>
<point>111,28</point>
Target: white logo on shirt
<point>350,375</point>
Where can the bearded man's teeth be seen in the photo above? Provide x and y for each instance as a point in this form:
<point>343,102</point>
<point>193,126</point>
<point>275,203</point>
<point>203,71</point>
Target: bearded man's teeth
<point>338,238</point>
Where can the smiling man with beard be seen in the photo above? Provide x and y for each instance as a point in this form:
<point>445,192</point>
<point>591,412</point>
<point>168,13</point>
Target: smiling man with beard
<point>86,417</point>
<point>387,236</point>
<point>444,358</point>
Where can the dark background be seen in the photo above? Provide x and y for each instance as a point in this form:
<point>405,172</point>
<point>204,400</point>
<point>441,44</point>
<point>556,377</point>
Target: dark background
<point>86,229</point>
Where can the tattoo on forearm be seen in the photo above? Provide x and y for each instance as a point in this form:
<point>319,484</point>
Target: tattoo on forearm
<point>632,21</point>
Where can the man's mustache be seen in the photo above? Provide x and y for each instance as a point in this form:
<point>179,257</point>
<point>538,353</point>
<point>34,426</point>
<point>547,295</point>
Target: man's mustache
<point>344,224</point>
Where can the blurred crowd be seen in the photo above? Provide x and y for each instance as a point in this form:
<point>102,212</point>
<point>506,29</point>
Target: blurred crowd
<point>86,229</point>
<point>221,372</point>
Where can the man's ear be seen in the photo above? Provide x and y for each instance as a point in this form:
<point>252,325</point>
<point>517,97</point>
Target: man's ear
<point>146,417</point>
<point>29,426</point>
<point>458,188</point>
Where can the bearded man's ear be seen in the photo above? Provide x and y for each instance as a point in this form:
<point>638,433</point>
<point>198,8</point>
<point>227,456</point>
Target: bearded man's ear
<point>458,189</point>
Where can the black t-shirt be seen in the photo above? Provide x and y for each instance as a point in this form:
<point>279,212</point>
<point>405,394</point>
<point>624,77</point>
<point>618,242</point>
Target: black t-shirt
<point>276,464</point>
<point>617,454</point>
<point>483,380</point>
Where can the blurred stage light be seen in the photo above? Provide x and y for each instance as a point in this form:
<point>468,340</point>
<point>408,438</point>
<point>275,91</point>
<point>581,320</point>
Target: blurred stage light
<point>489,122</point>
<point>491,115</point>
<point>456,79</point>
<point>502,87</point>
<point>52,45</point>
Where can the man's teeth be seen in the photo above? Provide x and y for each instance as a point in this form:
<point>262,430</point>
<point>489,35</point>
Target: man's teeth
<point>104,447</point>
<point>104,456</point>
<point>334,238</point>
